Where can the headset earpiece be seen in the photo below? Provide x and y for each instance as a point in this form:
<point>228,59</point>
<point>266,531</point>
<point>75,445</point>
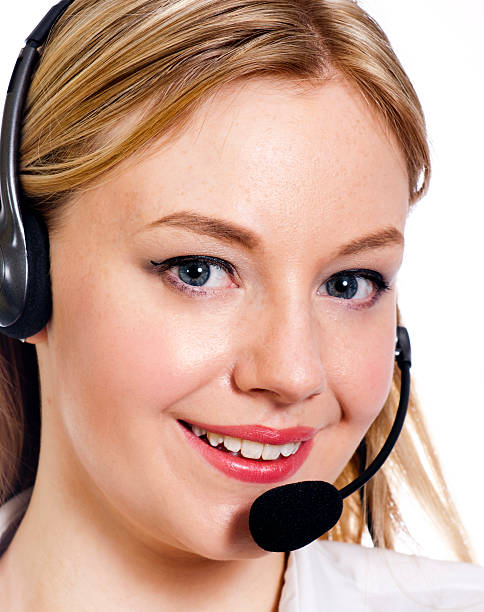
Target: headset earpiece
<point>38,298</point>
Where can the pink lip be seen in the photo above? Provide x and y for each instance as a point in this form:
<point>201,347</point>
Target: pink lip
<point>262,434</point>
<point>251,470</point>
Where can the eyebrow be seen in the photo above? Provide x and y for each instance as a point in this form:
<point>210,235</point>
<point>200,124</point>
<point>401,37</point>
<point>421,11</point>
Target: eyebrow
<point>231,232</point>
<point>380,238</point>
<point>210,226</point>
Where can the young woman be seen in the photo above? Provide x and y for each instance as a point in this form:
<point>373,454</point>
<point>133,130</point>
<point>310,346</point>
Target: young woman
<point>225,185</point>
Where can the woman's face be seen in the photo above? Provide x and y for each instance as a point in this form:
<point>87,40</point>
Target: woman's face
<point>276,217</point>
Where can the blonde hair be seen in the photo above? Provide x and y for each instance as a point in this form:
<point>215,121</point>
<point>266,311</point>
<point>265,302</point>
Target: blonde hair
<point>161,59</point>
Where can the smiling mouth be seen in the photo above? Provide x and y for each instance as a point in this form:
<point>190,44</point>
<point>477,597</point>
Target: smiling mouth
<point>239,447</point>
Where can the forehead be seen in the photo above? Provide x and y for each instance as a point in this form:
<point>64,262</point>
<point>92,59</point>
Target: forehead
<point>269,155</point>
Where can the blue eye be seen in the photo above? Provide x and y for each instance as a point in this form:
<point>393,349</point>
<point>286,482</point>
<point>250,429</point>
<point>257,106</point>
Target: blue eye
<point>359,284</point>
<point>344,287</point>
<point>204,272</point>
<point>194,273</point>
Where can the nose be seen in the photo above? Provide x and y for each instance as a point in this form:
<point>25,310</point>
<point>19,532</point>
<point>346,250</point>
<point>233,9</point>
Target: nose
<point>281,355</point>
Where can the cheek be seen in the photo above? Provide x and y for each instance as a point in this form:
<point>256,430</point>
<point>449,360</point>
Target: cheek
<point>121,352</point>
<point>364,376</point>
<point>359,377</point>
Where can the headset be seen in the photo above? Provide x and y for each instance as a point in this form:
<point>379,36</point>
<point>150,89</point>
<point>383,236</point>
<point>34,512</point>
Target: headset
<point>25,289</point>
<point>282,519</point>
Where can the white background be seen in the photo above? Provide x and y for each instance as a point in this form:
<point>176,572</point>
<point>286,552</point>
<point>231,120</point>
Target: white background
<point>440,44</point>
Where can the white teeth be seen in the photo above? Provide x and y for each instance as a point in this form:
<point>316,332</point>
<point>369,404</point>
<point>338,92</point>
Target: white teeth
<point>214,438</point>
<point>251,450</point>
<point>271,451</point>
<point>248,448</point>
<point>287,449</point>
<point>232,444</point>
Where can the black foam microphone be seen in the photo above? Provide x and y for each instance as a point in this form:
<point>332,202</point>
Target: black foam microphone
<point>291,516</point>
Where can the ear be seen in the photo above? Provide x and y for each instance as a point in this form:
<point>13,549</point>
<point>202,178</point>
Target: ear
<point>39,337</point>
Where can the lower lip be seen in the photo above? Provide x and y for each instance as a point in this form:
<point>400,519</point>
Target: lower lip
<point>250,470</point>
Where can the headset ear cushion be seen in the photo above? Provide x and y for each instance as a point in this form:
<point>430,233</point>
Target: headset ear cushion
<point>38,304</point>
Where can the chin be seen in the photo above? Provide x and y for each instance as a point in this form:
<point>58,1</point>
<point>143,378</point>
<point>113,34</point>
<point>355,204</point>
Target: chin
<point>232,550</point>
<point>223,539</point>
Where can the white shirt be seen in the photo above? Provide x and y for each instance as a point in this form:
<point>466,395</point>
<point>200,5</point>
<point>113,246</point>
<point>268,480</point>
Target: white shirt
<point>337,576</point>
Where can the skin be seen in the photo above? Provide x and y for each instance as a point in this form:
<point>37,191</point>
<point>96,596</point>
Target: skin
<point>124,514</point>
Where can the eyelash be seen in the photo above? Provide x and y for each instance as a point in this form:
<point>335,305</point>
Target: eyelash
<point>160,268</point>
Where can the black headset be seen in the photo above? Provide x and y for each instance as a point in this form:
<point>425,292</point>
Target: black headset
<point>25,290</point>
<point>281,519</point>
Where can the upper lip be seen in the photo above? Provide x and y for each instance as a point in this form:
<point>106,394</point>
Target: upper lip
<point>261,433</point>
